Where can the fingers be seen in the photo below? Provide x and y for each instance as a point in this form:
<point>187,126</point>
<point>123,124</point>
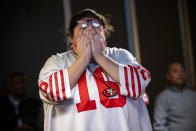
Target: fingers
<point>91,35</point>
<point>86,34</point>
<point>80,32</point>
<point>97,33</point>
<point>93,32</point>
<point>83,36</point>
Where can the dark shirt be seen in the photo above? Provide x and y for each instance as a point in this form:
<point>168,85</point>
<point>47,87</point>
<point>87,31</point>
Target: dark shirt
<point>29,112</point>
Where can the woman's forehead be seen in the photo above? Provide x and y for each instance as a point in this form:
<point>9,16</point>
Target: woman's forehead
<point>89,18</point>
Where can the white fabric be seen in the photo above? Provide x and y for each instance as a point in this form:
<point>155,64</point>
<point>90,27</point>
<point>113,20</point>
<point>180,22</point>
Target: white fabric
<point>124,112</point>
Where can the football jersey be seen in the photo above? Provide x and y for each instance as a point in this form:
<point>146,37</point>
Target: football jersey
<point>85,107</point>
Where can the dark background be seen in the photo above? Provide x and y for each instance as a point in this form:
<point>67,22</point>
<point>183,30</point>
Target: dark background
<point>160,41</point>
<point>33,30</point>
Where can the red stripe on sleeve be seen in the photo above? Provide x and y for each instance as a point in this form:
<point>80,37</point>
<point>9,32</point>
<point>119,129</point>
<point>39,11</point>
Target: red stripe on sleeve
<point>57,86</point>
<point>63,84</point>
<point>126,80</point>
<point>138,81</point>
<point>143,75</point>
<point>132,80</point>
<point>51,89</point>
<point>45,86</point>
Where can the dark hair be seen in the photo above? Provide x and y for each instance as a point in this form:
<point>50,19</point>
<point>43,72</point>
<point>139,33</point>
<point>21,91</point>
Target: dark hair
<point>172,63</point>
<point>16,74</point>
<point>92,14</point>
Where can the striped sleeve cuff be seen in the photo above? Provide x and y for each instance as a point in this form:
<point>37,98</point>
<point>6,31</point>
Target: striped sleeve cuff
<point>57,87</point>
<point>133,80</point>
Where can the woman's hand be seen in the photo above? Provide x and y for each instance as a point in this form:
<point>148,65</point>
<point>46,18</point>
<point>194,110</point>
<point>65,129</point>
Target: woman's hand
<point>83,47</point>
<point>98,43</point>
<point>98,46</point>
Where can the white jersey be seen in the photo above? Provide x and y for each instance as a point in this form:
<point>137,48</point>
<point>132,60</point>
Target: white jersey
<point>85,108</point>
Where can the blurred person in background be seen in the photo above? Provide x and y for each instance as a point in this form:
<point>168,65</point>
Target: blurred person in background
<point>175,107</point>
<point>93,87</point>
<point>21,112</point>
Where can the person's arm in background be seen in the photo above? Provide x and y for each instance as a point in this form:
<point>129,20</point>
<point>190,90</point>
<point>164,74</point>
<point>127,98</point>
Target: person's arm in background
<point>160,115</point>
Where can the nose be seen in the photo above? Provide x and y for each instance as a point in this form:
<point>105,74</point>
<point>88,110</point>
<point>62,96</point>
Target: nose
<point>89,23</point>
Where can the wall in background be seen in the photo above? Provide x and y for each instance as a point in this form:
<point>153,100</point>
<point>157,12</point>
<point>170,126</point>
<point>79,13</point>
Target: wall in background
<point>160,42</point>
<point>31,34</point>
<point>192,17</point>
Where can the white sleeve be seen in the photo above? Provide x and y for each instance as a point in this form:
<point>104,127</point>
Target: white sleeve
<point>133,77</point>
<point>54,82</point>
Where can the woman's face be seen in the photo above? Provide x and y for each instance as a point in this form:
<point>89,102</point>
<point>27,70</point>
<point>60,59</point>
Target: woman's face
<point>87,24</point>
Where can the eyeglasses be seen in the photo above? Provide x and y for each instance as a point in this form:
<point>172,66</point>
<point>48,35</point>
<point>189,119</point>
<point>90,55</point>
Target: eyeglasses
<point>84,23</point>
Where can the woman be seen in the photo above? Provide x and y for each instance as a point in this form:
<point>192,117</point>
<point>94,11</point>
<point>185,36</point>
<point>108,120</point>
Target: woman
<point>93,87</point>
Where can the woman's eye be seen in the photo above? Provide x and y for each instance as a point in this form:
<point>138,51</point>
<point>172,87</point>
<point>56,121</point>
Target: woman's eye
<point>84,25</point>
<point>95,24</point>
